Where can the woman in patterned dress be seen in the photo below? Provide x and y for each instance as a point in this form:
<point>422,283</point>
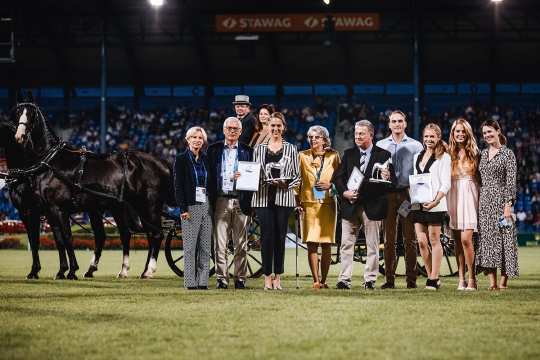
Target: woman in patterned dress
<point>463,198</point>
<point>316,202</point>
<point>497,247</point>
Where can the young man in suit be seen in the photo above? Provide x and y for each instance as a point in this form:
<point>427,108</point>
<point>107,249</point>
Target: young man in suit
<point>230,207</point>
<point>366,205</point>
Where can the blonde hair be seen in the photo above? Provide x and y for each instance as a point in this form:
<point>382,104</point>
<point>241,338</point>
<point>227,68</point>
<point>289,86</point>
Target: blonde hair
<point>470,146</point>
<point>441,147</point>
<point>192,130</point>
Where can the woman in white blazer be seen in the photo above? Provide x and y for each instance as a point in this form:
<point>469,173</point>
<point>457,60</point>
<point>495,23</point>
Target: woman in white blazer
<point>434,159</point>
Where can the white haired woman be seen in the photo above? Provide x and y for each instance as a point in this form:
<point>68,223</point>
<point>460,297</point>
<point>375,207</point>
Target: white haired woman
<point>317,202</point>
<point>190,183</point>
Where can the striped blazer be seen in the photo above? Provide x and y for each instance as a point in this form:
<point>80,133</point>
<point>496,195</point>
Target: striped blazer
<point>284,197</point>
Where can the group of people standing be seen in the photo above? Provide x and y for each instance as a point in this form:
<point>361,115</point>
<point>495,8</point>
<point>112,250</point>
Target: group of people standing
<point>476,189</point>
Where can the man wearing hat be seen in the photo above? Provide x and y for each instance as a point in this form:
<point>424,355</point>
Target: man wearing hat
<point>241,107</point>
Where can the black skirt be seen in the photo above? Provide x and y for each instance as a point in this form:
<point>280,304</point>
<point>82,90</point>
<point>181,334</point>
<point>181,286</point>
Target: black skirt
<point>428,217</point>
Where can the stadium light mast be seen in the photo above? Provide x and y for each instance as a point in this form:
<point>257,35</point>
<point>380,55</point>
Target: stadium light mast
<point>493,54</point>
<point>103,83</point>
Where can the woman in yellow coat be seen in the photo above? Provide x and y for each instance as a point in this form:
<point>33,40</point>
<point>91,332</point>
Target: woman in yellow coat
<point>317,202</point>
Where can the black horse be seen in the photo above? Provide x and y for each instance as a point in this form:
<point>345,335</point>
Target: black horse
<point>28,204</point>
<point>69,180</point>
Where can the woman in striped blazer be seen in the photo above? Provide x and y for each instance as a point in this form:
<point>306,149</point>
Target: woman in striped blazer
<point>275,199</point>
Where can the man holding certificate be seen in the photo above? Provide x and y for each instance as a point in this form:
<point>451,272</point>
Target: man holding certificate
<point>230,206</point>
<point>363,193</point>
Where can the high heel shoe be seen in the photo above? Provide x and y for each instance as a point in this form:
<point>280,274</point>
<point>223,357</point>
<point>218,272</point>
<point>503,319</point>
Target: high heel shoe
<point>317,285</point>
<point>266,287</point>
<point>276,283</point>
<point>462,285</point>
<point>472,286</point>
<point>324,285</point>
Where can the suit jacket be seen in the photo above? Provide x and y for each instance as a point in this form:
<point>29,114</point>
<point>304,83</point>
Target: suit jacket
<point>372,196</point>
<point>184,179</point>
<point>248,128</point>
<point>215,153</point>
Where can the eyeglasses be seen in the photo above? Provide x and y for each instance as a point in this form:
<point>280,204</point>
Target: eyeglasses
<point>232,129</point>
<point>316,137</point>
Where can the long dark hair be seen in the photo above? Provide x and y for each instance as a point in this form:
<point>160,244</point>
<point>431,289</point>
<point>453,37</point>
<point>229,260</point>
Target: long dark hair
<point>495,125</point>
<point>268,107</point>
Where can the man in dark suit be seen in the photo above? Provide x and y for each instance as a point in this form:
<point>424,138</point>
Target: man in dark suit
<point>366,204</point>
<point>230,207</point>
<point>249,121</point>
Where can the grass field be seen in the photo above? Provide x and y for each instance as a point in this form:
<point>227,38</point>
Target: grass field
<point>106,318</point>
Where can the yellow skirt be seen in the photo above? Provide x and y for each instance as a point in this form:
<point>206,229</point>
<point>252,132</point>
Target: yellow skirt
<point>319,223</point>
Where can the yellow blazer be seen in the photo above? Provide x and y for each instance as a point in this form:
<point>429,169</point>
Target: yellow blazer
<point>309,167</point>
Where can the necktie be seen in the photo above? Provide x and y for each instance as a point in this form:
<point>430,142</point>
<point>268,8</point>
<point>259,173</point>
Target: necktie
<point>362,161</point>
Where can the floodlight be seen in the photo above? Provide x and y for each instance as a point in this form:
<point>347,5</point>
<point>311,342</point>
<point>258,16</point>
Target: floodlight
<point>496,1</point>
<point>156,3</point>
<point>326,2</point>
<point>246,37</point>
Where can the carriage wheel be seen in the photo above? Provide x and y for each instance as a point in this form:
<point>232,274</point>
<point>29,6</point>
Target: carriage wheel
<point>174,251</point>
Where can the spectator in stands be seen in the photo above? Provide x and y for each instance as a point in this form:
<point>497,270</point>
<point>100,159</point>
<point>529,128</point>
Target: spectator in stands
<point>463,198</point>
<point>316,201</point>
<point>191,184</point>
<point>230,207</point>
<point>242,109</point>
<point>262,130</point>
<point>435,160</point>
<point>403,149</point>
<point>497,245</point>
<point>275,200</point>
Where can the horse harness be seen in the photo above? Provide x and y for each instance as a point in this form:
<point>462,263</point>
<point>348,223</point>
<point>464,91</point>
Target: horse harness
<point>15,176</point>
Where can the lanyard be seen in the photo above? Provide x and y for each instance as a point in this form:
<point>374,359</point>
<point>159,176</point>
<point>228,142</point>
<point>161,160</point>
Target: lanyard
<point>321,168</point>
<point>196,174</point>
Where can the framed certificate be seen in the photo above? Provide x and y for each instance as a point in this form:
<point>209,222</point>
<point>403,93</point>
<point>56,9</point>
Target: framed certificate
<point>250,173</point>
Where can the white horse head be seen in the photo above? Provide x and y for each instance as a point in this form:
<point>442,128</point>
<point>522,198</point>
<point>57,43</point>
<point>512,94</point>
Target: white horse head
<point>22,127</point>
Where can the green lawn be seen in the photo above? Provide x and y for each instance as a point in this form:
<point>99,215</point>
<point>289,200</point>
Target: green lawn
<point>107,318</point>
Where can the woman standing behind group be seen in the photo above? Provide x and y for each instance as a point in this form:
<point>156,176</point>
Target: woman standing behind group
<point>497,246</point>
<point>275,200</point>
<point>434,159</point>
<point>316,201</point>
<point>262,127</point>
<point>463,198</point>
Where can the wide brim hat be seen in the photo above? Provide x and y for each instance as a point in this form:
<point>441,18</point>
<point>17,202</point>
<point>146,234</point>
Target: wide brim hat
<point>241,99</point>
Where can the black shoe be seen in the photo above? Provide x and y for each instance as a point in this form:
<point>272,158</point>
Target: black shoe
<point>411,285</point>
<point>240,284</point>
<point>201,287</point>
<point>388,285</point>
<point>369,285</point>
<point>221,284</point>
<point>433,284</point>
<point>342,285</point>
<point>192,288</point>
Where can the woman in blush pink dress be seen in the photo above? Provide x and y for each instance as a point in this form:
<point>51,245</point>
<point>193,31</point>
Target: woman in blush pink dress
<point>463,198</point>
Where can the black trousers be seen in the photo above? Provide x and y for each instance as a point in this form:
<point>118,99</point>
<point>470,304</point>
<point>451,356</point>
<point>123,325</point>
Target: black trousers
<point>273,221</point>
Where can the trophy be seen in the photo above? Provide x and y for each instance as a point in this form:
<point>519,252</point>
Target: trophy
<point>276,165</point>
<point>376,175</point>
